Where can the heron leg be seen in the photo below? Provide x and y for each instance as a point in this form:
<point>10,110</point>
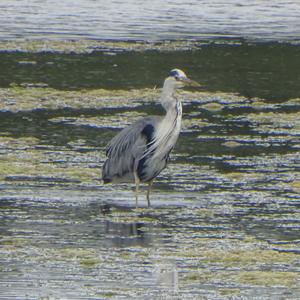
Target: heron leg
<point>148,192</point>
<point>137,182</point>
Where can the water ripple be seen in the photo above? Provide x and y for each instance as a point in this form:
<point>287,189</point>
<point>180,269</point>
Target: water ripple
<point>155,20</point>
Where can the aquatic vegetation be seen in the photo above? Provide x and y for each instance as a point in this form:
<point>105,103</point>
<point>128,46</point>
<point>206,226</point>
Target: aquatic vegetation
<point>295,184</point>
<point>225,215</point>
<point>18,98</point>
<point>132,218</point>
<point>232,144</point>
<point>213,106</point>
<point>87,46</point>
<point>12,244</point>
<point>248,259</point>
<point>120,121</point>
<point>282,123</point>
<point>271,278</point>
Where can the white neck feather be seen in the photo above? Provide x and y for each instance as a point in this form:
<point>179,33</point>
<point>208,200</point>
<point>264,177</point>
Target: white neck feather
<point>168,129</point>
<point>167,99</point>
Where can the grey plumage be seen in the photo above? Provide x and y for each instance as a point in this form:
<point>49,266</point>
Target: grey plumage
<point>126,149</point>
<point>141,151</point>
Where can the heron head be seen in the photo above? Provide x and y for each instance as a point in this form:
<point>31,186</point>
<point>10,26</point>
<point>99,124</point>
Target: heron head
<point>178,79</point>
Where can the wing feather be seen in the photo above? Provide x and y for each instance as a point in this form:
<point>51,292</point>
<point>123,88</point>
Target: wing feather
<point>126,139</point>
<point>125,149</point>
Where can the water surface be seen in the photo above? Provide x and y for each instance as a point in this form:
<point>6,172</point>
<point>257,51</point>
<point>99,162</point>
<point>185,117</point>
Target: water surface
<point>268,70</point>
<point>225,217</point>
<point>155,20</point>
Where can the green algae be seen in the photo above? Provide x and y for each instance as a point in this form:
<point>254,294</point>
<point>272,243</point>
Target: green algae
<point>213,261</point>
<point>248,258</point>
<point>232,292</point>
<point>88,46</point>
<point>75,253</point>
<point>232,144</point>
<point>242,177</point>
<point>90,262</point>
<point>243,267</point>
<point>18,98</point>
<point>30,170</point>
<point>204,241</point>
<point>22,161</point>
<point>295,184</point>
<point>85,257</point>
<point>276,122</point>
<point>214,107</point>
<point>20,142</point>
<point>119,121</point>
<point>132,217</point>
<point>289,120</point>
<point>247,254</point>
<point>269,278</point>
<point>108,295</point>
<point>204,212</point>
<point>14,243</point>
<point>250,278</point>
<point>30,99</point>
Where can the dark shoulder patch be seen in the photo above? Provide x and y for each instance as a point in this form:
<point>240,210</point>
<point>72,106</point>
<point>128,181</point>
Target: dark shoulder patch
<point>148,132</point>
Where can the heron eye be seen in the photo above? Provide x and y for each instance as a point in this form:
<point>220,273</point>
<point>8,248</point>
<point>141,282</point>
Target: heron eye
<point>176,77</point>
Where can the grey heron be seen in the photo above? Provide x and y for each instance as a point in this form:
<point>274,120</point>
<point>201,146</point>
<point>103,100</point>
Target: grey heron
<point>141,151</point>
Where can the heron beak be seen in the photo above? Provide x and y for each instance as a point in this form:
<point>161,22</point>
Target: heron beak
<point>189,82</point>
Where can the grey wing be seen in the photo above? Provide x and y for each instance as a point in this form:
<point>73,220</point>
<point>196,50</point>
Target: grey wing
<point>125,149</point>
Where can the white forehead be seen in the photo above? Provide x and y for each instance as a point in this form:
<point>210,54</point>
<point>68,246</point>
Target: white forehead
<point>177,73</point>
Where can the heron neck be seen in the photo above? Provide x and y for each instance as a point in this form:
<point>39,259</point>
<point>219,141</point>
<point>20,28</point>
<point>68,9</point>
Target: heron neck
<point>167,99</point>
<point>172,106</point>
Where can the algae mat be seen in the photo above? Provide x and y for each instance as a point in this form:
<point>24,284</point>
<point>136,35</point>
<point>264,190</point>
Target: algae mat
<point>225,217</point>
<point>225,221</point>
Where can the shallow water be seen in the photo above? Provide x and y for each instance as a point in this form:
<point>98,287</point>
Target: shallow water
<point>225,218</point>
<point>150,20</point>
